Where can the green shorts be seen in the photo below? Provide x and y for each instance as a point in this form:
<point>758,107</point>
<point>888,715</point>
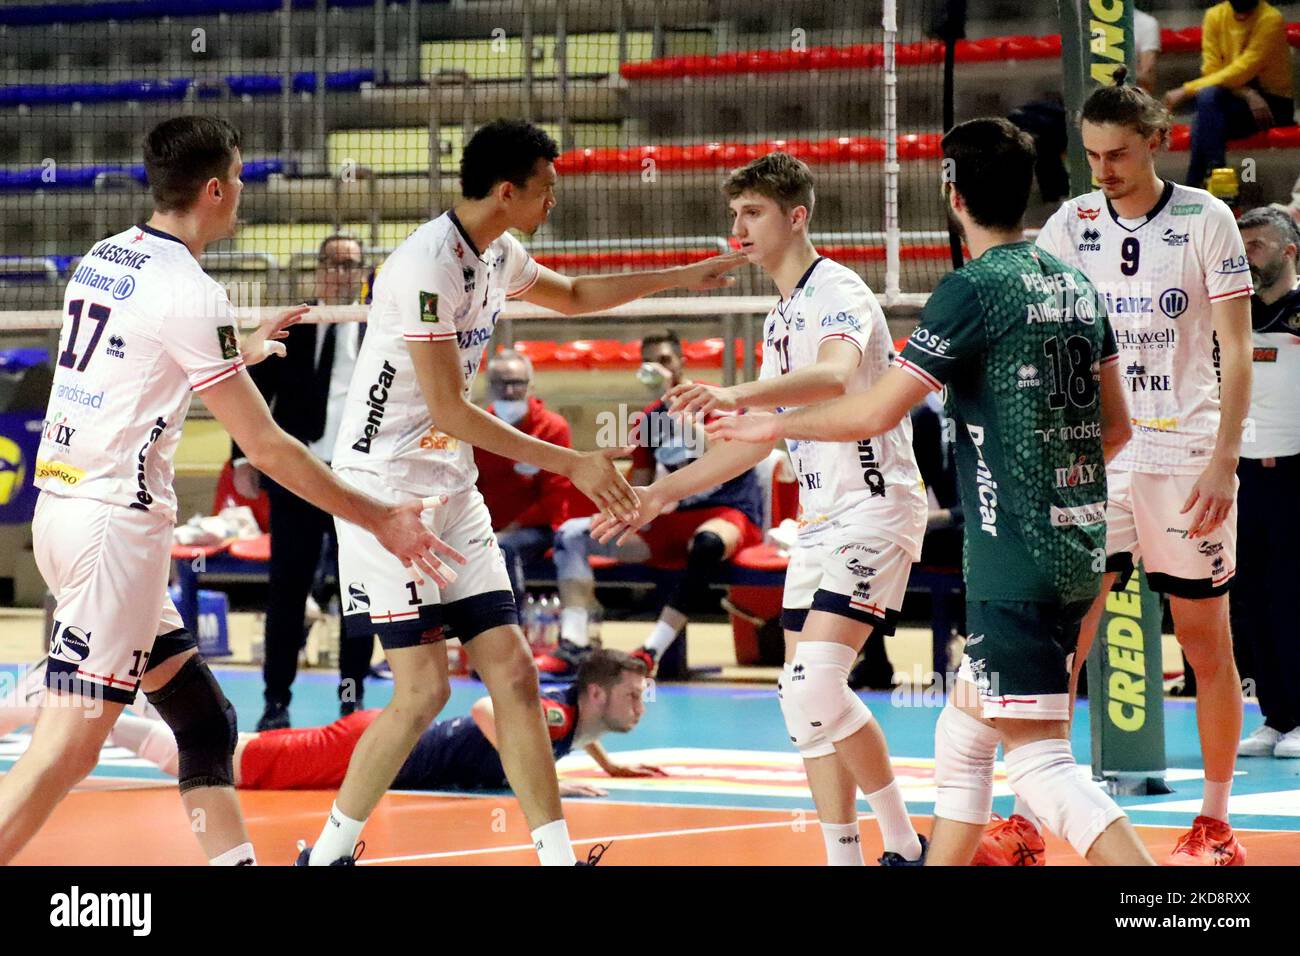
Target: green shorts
<point>1018,655</point>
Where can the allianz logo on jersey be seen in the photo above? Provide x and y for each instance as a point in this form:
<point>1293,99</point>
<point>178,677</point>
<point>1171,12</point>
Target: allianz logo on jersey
<point>471,338</point>
<point>377,403</point>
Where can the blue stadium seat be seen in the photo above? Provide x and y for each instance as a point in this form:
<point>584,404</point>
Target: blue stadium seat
<point>45,14</point>
<point>83,177</point>
<point>35,94</point>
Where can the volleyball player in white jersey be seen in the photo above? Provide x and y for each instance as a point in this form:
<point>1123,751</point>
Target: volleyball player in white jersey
<point>409,427</point>
<point>862,510</point>
<point>143,328</point>
<point>1171,263</point>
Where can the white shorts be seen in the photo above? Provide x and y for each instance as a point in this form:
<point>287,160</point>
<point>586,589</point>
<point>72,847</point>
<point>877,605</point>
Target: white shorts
<point>863,578</point>
<point>1143,524</point>
<point>107,567</point>
<point>381,597</point>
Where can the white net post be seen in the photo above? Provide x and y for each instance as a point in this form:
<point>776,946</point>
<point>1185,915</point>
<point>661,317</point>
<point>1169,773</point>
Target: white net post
<point>893,251</point>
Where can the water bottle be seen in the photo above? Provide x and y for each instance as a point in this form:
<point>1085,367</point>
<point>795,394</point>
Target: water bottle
<point>551,620</point>
<point>531,620</point>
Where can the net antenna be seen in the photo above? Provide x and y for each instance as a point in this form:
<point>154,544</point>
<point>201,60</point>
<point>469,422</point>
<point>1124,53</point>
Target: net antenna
<point>893,246</point>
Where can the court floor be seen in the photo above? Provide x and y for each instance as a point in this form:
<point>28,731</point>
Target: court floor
<point>735,794</point>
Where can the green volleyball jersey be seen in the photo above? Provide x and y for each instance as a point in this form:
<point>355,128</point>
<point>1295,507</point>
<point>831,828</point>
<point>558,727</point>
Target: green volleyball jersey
<point>1019,338</point>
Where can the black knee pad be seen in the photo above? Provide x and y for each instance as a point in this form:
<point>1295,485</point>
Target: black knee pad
<point>203,722</point>
<point>706,549</point>
<point>703,560</point>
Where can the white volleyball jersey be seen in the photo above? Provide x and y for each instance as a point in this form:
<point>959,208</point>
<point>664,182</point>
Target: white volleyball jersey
<point>874,480</point>
<point>143,326</point>
<point>436,286</point>
<point>1273,428</point>
<point>1159,275</point>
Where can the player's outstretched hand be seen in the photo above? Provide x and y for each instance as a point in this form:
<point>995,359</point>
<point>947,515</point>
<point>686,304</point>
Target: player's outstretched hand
<point>1212,497</point>
<point>634,770</point>
<point>263,341</point>
<point>710,273</point>
<point>758,428</point>
<point>695,398</point>
<point>402,532</point>
<point>605,528</point>
<point>572,788</point>
<point>596,476</point>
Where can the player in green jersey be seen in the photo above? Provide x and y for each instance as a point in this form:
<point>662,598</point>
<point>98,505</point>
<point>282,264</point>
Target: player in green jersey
<point>1022,343</point>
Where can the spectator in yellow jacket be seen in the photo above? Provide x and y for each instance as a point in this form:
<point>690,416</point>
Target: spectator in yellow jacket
<point>1245,81</point>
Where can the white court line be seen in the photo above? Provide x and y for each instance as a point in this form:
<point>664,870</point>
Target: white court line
<point>601,839</point>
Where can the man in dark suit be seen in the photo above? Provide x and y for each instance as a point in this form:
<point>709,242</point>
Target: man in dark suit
<point>306,391</point>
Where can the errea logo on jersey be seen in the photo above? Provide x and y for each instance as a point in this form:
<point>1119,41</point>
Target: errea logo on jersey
<point>1091,240</point>
<point>1027,377</point>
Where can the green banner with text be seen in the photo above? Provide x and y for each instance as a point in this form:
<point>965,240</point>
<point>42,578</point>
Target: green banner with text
<point>1126,691</point>
<point>1096,37</point>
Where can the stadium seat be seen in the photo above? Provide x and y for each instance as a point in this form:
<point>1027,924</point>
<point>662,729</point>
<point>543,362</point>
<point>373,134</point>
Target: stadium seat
<point>869,56</point>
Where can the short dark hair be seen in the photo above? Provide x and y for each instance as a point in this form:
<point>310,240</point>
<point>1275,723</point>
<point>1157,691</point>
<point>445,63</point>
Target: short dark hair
<point>779,176</point>
<point>183,153</point>
<point>503,151</point>
<point>658,338</point>
<point>1129,106</point>
<point>991,163</point>
<point>338,237</point>
<point>605,667</point>
<point>1275,218</point>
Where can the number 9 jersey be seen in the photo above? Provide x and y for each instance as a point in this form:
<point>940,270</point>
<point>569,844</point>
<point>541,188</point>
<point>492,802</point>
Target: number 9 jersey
<point>1159,275</point>
<point>143,328</point>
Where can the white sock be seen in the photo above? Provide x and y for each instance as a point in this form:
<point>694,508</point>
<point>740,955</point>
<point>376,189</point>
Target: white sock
<point>1214,803</point>
<point>660,638</point>
<point>337,840</point>
<point>1022,809</point>
<point>573,625</point>
<point>552,843</point>
<point>241,855</point>
<point>151,739</point>
<point>896,830</point>
<point>843,844</point>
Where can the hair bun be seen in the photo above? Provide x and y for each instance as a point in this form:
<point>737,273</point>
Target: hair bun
<point>1120,75</point>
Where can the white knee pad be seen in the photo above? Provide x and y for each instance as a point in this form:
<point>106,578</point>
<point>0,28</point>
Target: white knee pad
<point>819,689</point>
<point>808,740</point>
<point>964,749</point>
<point>1061,795</point>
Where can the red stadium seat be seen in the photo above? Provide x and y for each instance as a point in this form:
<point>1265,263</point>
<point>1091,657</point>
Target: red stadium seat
<point>541,354</point>
<point>1284,137</point>
<point>990,50</point>
<point>761,557</point>
<point>193,552</point>
<point>704,352</point>
<point>1180,138</point>
<point>252,549</point>
<point>612,354</point>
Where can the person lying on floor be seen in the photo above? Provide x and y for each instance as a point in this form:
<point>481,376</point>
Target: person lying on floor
<point>459,753</point>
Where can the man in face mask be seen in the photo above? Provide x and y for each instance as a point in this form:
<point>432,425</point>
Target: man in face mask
<point>702,533</point>
<point>526,503</point>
